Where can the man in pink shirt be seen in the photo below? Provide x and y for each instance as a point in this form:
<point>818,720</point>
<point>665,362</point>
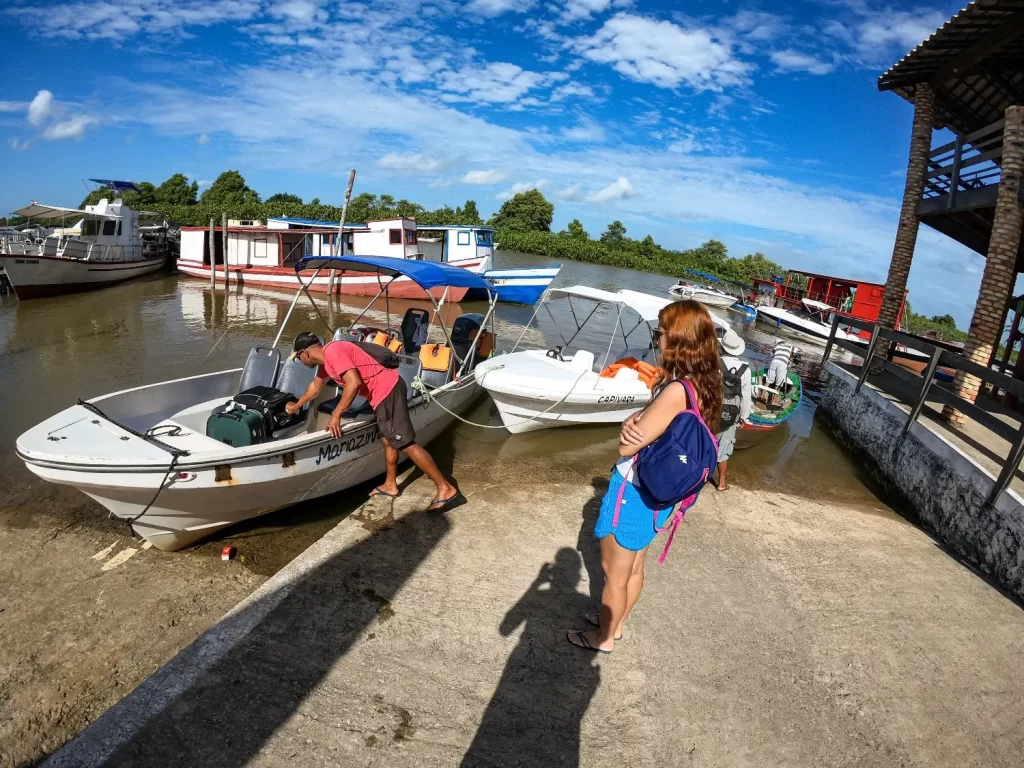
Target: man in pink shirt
<point>360,374</point>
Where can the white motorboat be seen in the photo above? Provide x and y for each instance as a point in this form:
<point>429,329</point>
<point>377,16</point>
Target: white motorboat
<point>144,453</point>
<point>812,322</point>
<point>537,389</point>
<point>709,297</point>
<point>107,245</point>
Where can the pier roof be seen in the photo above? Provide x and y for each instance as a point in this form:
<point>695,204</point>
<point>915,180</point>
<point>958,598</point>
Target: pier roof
<point>973,63</point>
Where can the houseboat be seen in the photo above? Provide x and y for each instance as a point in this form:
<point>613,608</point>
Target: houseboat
<point>82,249</point>
<point>266,255</point>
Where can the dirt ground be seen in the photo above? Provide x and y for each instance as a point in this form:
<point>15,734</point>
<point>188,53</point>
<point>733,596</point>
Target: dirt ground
<point>79,629</point>
<point>790,626</point>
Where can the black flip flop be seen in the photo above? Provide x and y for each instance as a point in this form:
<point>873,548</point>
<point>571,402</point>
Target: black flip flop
<point>447,505</point>
<point>379,491</point>
<point>595,621</point>
<point>584,643</point>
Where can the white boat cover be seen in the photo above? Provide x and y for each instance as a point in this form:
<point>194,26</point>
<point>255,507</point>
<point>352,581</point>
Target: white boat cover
<point>643,304</point>
<point>819,306</point>
<point>55,212</point>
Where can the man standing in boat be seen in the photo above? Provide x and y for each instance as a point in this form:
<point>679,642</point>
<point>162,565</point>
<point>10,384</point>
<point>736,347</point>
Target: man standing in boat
<point>737,401</point>
<point>358,373</point>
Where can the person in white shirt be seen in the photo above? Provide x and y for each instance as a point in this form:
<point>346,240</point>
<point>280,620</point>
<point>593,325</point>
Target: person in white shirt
<point>778,369</point>
<point>733,413</point>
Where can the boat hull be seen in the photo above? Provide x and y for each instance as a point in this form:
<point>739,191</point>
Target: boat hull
<point>35,276</point>
<point>764,420</point>
<point>200,500</point>
<point>347,284</point>
<point>523,414</point>
<point>523,285</point>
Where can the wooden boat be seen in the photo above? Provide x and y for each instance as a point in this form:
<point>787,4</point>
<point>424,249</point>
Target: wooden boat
<point>772,407</point>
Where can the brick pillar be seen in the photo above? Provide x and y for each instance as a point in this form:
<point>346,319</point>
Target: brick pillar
<point>906,232</point>
<point>1000,263</point>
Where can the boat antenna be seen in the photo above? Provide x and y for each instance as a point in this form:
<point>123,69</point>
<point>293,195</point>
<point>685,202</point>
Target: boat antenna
<point>339,245</point>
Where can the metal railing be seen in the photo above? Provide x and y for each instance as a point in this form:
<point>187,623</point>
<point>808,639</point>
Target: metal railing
<point>969,163</point>
<point>914,390</point>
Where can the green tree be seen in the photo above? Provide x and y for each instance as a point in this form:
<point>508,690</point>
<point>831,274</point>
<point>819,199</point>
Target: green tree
<point>648,248</point>
<point>177,191</point>
<point>615,233</point>
<point>285,197</point>
<point>229,190</point>
<point>944,320</point>
<point>576,230</point>
<point>470,215</point>
<point>525,212</point>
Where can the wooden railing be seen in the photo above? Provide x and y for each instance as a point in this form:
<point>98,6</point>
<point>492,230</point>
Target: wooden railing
<point>915,390</point>
<point>971,162</point>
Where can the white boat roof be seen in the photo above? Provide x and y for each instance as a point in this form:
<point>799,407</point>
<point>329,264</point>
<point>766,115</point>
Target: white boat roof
<point>55,212</point>
<point>643,304</point>
<point>819,305</point>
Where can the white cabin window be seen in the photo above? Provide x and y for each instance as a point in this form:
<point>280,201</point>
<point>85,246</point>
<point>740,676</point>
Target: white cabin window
<point>463,238</point>
<point>410,236</point>
<point>90,227</point>
<point>395,236</point>
<point>483,238</point>
<point>109,227</point>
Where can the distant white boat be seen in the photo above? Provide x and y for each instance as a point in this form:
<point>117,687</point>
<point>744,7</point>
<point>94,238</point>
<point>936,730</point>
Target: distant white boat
<point>707,296</point>
<point>812,322</point>
<point>101,244</point>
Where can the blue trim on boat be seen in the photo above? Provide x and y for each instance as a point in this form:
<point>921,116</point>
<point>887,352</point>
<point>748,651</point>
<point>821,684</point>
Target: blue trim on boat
<point>521,285</point>
<point>426,274</point>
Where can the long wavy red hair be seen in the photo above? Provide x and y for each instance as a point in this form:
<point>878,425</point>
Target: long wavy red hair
<point>691,352</point>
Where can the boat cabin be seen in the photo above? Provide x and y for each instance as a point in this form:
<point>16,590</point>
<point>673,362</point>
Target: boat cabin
<point>463,243</point>
<point>107,231</point>
<point>856,298</point>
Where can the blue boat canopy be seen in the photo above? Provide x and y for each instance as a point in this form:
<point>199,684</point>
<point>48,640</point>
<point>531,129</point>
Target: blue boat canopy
<point>715,279</point>
<point>426,274</point>
<point>117,186</point>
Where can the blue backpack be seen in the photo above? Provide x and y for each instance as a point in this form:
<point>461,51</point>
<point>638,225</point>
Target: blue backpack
<point>674,468</point>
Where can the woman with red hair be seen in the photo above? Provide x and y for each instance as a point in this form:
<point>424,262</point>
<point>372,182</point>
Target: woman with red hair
<point>689,350</point>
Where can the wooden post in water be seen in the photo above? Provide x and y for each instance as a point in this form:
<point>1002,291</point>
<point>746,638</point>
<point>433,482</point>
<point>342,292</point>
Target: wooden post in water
<point>213,256</point>
<point>339,246</point>
<point>224,220</point>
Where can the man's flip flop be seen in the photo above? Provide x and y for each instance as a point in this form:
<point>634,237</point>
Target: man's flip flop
<point>582,642</point>
<point>379,491</point>
<point>446,505</point>
<point>595,621</point>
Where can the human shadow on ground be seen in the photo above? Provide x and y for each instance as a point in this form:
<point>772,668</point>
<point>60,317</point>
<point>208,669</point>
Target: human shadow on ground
<point>535,715</point>
<point>590,547</point>
<point>223,712</point>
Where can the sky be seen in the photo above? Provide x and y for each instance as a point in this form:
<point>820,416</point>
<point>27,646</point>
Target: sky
<point>759,124</point>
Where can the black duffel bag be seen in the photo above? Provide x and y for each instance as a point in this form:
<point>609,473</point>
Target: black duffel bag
<point>270,403</point>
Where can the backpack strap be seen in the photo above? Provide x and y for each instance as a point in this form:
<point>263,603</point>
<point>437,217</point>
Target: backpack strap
<point>622,492</point>
<point>691,402</point>
<point>675,520</point>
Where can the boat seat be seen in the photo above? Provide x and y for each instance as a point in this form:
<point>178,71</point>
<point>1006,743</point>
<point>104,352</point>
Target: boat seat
<point>415,328</point>
<point>293,379</point>
<point>436,361</point>
<point>343,334</point>
<point>582,361</point>
<point>409,369</point>
<point>260,368</point>
<point>359,407</point>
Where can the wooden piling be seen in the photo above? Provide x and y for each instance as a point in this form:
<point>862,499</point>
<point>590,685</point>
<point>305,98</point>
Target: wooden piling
<point>224,220</point>
<point>213,255</point>
<point>339,246</point>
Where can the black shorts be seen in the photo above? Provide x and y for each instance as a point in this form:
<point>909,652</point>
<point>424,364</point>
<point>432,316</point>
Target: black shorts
<point>393,417</point>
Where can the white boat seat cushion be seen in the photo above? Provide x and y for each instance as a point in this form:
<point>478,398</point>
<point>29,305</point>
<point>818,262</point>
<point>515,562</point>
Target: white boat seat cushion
<point>582,361</point>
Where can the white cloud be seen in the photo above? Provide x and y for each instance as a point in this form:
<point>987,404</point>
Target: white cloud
<point>500,82</point>
<point>794,61</point>
<point>587,131</point>
<point>303,11</point>
<point>880,38</point>
<point>40,108</point>
<point>491,8</point>
<point>492,176</point>
<point>617,190</point>
<point>13,106</point>
<point>420,162</point>
<point>570,194</point>
<point>648,118</point>
<point>749,27</point>
<point>521,186</point>
<point>663,53</point>
<point>576,10</point>
<point>72,128</point>
<point>18,146</point>
<point>566,90</point>
<point>202,138</point>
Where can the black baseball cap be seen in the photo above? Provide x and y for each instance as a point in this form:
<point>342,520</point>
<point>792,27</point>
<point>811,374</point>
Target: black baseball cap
<point>303,341</point>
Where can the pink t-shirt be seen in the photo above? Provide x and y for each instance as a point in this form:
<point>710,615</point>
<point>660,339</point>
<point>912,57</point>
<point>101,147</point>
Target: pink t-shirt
<point>342,356</point>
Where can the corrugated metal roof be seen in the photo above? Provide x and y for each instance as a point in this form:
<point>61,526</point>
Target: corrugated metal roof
<point>974,63</point>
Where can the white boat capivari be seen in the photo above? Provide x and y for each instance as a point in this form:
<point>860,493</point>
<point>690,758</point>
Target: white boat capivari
<point>144,454</point>
<point>538,389</point>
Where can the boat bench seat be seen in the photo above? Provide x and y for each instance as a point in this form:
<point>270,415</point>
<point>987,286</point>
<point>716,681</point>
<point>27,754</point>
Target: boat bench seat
<point>359,406</point>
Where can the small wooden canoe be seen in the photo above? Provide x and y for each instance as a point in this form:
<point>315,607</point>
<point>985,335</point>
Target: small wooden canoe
<point>772,407</point>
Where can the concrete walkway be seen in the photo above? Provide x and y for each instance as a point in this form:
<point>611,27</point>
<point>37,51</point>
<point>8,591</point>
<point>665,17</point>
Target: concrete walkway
<point>782,631</point>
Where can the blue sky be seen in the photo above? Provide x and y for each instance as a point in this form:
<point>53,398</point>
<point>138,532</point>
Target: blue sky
<point>758,124</point>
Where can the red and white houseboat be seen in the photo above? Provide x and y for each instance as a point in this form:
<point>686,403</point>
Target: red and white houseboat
<point>265,254</point>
